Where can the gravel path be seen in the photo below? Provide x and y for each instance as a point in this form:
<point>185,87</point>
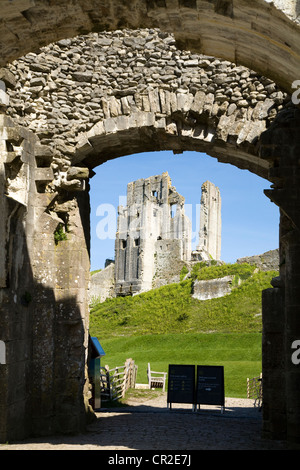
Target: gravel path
<point>150,425</point>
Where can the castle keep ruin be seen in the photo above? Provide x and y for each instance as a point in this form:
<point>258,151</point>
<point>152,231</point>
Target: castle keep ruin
<point>153,240</point>
<point>146,230</point>
<point>137,90</point>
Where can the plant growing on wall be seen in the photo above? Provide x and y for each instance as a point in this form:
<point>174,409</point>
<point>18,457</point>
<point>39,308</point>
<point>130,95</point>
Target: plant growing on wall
<point>60,234</point>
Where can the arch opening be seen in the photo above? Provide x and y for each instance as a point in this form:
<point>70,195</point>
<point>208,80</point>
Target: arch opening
<point>187,171</point>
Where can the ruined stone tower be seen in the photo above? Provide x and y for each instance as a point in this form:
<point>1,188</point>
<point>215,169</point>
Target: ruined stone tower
<point>153,234</point>
<point>209,246</point>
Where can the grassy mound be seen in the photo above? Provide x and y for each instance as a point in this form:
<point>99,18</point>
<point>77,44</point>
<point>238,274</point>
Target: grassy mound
<point>171,309</point>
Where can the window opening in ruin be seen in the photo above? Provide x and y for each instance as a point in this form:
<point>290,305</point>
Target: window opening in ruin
<point>173,210</point>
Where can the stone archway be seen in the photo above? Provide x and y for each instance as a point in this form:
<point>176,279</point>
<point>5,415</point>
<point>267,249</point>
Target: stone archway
<point>261,35</point>
<point>75,93</point>
<point>46,189</point>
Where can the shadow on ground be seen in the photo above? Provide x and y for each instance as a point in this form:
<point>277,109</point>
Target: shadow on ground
<point>152,426</point>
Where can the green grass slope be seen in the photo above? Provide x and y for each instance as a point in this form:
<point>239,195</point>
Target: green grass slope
<point>171,309</point>
<point>166,325</point>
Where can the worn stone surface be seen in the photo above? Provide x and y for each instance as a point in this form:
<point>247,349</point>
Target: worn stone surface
<point>212,288</point>
<point>102,284</point>
<point>265,262</point>
<point>80,95</point>
<point>261,35</point>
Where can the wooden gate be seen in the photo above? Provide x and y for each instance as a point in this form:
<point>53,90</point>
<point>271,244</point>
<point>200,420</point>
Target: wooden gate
<point>115,382</point>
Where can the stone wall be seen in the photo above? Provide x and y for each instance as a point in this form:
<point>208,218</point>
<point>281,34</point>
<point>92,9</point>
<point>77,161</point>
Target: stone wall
<point>268,261</point>
<point>77,91</point>
<point>44,274</point>
<point>168,262</point>
<point>212,288</point>
<point>102,284</point>
<point>261,34</point>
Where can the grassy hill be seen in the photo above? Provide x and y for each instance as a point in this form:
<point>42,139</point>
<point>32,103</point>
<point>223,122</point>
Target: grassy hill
<point>166,325</point>
<point>171,309</point>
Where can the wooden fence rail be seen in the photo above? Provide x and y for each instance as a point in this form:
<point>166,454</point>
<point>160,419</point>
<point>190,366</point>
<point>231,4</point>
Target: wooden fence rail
<point>115,382</point>
<point>254,390</point>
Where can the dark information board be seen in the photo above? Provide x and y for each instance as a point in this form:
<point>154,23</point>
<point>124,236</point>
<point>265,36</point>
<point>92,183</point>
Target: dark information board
<point>210,385</point>
<point>181,384</point>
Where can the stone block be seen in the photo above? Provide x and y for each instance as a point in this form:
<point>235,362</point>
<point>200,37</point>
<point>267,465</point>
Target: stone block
<point>83,148</point>
<point>122,123</point>
<point>77,173</point>
<point>110,125</point>
<point>44,174</point>
<point>212,289</point>
<point>198,102</point>
<point>8,78</point>
<point>4,98</point>
<point>154,101</point>
<point>184,101</point>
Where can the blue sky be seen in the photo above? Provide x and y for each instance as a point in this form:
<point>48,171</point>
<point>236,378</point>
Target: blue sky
<point>249,219</point>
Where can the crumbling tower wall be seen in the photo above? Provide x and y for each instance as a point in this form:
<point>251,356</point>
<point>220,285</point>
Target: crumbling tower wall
<point>144,226</point>
<point>209,246</point>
